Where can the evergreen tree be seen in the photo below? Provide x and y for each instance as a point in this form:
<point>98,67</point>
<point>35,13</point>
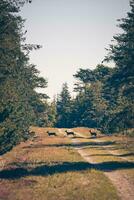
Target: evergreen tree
<point>46,115</point>
<point>120,85</point>
<point>90,105</point>
<point>18,79</point>
<point>64,107</point>
<point>52,113</point>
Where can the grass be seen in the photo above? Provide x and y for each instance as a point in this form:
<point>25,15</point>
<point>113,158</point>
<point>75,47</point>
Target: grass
<point>115,147</point>
<point>71,186</point>
<point>101,155</point>
<point>49,168</point>
<point>120,149</point>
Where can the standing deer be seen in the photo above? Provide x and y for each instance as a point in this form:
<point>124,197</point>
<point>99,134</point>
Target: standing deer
<point>93,133</point>
<point>69,132</point>
<point>51,133</point>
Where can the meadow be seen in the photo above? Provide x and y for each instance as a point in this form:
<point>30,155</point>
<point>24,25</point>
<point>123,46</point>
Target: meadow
<point>51,167</point>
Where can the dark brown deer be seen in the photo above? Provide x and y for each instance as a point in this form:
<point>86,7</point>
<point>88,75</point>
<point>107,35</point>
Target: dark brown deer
<point>93,133</point>
<point>69,132</point>
<point>51,133</point>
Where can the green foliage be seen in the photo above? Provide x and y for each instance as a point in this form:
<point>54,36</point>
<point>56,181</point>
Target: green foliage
<point>46,115</point>
<point>52,113</point>
<point>121,83</point>
<point>18,79</point>
<point>63,107</point>
<point>89,105</point>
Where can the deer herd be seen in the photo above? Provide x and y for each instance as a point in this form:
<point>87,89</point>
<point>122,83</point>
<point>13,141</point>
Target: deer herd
<point>93,133</point>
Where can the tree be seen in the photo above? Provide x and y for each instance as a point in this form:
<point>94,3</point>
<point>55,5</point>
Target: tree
<point>52,113</point>
<point>121,83</point>
<point>90,105</point>
<point>46,115</point>
<point>18,78</point>
<point>64,107</point>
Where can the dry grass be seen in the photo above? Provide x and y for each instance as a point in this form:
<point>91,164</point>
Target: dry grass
<point>101,155</point>
<point>119,146</point>
<point>129,175</point>
<point>51,169</point>
<point>66,186</point>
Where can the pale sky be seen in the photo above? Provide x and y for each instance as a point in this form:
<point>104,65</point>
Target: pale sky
<point>73,33</point>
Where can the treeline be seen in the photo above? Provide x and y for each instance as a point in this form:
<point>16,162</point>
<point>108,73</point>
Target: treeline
<point>105,96</point>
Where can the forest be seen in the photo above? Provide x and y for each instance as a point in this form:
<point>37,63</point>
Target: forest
<point>104,96</point>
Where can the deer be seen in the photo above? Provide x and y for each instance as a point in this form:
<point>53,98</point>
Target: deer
<point>93,133</point>
<point>69,132</point>
<point>51,133</point>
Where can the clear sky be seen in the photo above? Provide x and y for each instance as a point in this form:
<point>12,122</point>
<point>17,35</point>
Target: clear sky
<point>73,33</point>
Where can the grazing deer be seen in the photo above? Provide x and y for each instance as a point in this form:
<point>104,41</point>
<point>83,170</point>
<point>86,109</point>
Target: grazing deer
<point>51,133</point>
<point>93,133</point>
<point>69,132</point>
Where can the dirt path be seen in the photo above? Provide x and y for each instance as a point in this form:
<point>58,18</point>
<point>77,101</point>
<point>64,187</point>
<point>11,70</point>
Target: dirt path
<point>124,188</point>
<point>111,151</point>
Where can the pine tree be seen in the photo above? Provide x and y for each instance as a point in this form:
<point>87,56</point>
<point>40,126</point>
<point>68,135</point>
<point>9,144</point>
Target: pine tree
<point>120,85</point>
<point>18,79</point>
<point>90,105</point>
<point>63,107</point>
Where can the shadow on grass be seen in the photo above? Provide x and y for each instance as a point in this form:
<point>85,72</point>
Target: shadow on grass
<point>115,155</point>
<point>125,155</point>
<point>117,147</point>
<point>78,137</point>
<point>79,144</point>
<point>45,170</point>
<point>108,154</point>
